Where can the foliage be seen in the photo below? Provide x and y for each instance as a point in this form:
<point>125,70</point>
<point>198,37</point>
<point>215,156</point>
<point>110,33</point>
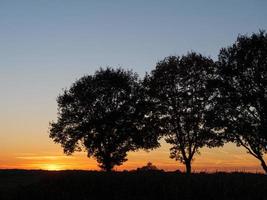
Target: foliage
<point>242,101</point>
<point>101,114</point>
<point>190,100</point>
<point>149,167</point>
<point>181,95</point>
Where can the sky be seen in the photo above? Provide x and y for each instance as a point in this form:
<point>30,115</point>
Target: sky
<point>45,45</point>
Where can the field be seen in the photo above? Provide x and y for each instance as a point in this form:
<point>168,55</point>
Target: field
<point>83,185</point>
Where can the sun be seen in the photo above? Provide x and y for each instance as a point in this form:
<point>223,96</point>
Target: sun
<point>52,167</point>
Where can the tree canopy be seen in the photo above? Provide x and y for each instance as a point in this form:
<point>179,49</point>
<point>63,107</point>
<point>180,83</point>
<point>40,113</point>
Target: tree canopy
<point>242,101</point>
<point>191,101</point>
<point>179,89</point>
<point>101,113</point>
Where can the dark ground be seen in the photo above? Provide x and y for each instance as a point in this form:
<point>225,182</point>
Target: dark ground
<point>83,185</point>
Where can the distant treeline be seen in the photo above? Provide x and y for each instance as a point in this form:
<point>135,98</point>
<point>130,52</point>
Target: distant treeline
<point>191,101</point>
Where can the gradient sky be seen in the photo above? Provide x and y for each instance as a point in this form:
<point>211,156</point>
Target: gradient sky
<point>45,45</point>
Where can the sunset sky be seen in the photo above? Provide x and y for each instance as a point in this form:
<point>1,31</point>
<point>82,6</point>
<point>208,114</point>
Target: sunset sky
<point>45,45</point>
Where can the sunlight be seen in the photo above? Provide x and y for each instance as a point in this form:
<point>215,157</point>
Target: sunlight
<point>52,167</point>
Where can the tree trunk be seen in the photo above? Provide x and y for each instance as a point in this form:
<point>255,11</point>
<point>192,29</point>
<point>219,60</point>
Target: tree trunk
<point>106,163</point>
<point>108,169</point>
<point>188,166</point>
<point>263,164</point>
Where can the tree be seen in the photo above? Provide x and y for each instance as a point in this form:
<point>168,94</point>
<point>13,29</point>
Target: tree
<point>183,102</point>
<point>242,103</point>
<point>101,114</point>
<point>149,167</point>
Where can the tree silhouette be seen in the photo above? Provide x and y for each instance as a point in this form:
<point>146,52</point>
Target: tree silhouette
<point>179,90</point>
<point>242,103</point>
<point>102,114</point>
<point>149,167</point>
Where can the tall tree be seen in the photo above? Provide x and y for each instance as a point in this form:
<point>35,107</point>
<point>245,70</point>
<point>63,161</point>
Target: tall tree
<point>179,90</point>
<point>242,103</point>
<point>101,114</point>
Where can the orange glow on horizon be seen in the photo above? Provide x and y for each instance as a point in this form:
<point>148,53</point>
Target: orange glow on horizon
<point>52,167</point>
<point>229,158</point>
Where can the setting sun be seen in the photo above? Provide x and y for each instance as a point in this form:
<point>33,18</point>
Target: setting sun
<point>52,167</point>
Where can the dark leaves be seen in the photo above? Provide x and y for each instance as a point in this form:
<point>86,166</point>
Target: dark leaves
<point>102,113</point>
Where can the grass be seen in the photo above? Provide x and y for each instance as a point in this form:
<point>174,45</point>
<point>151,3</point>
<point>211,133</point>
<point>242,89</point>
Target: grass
<point>83,185</point>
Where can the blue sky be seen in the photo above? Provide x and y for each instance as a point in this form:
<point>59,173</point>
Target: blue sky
<point>78,36</point>
<point>45,45</point>
<point>52,42</point>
